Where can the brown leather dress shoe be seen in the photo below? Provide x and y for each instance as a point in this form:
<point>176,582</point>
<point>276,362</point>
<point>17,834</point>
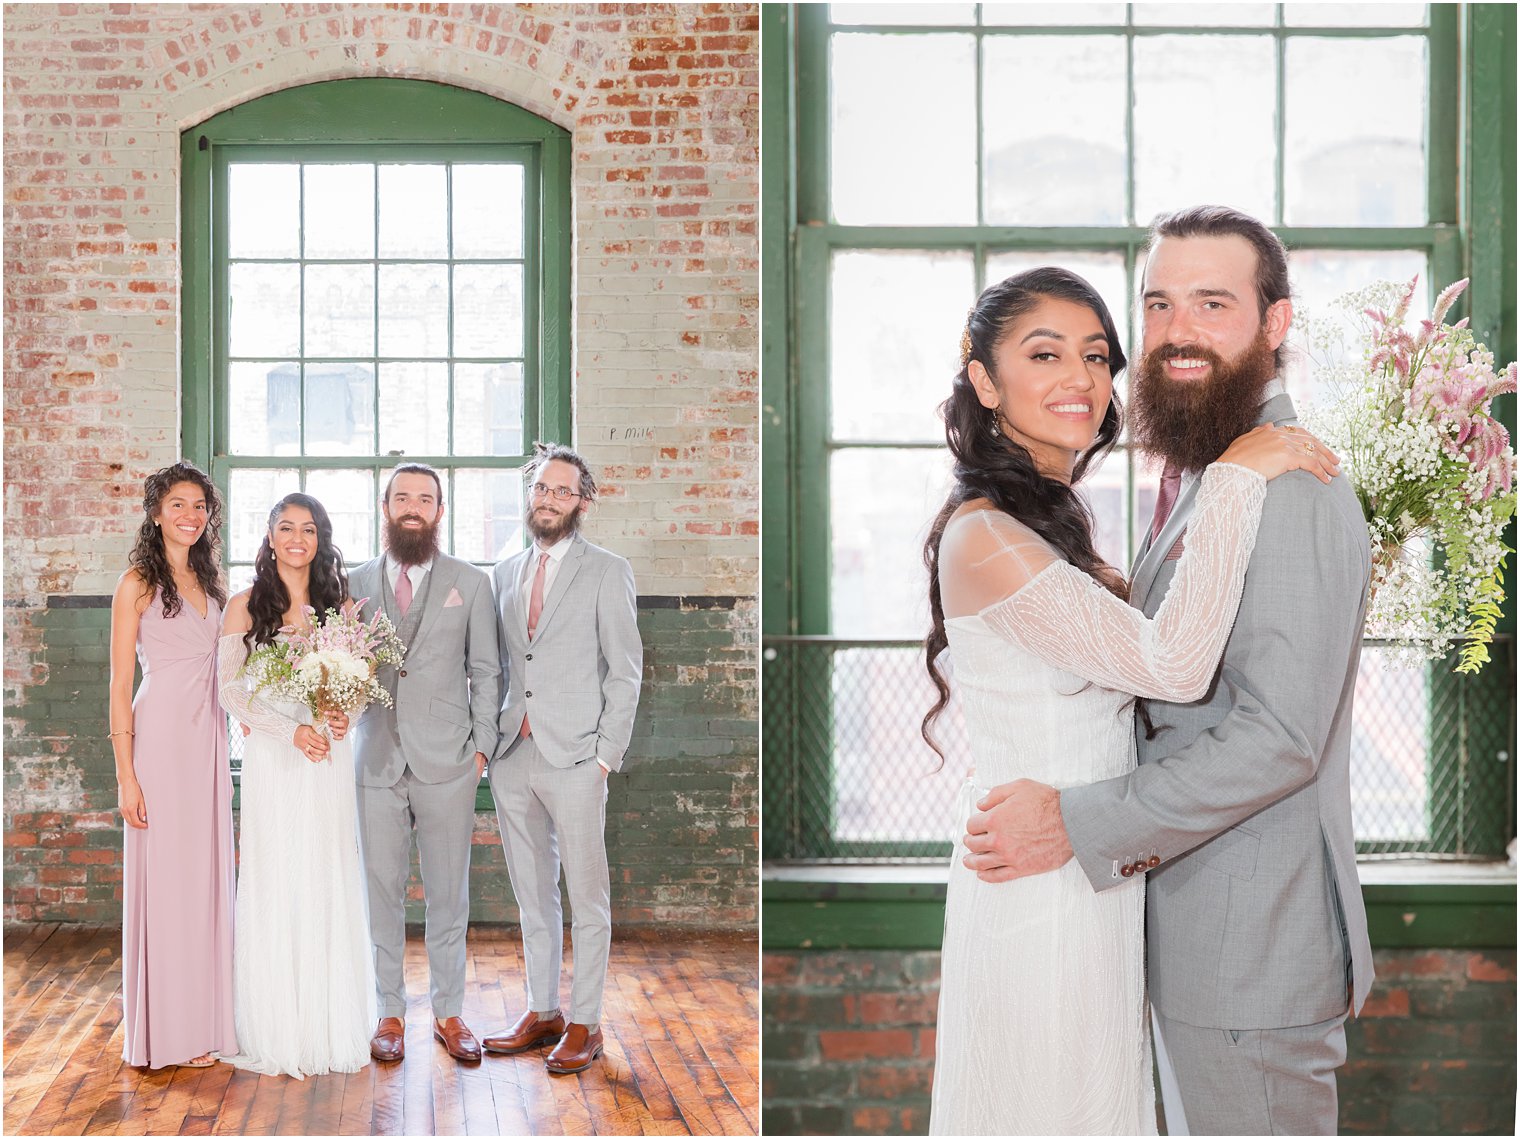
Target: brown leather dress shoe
<point>389,1041</point>
<point>575,1052</point>
<point>457,1040</point>
<point>530,1031</point>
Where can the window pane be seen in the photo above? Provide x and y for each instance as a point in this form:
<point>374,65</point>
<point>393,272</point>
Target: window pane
<point>1103,271</point>
<point>896,322</point>
<point>414,310</point>
<point>340,310</point>
<point>1205,108</point>
<point>882,502</point>
<point>1051,15</point>
<point>1354,15</point>
<point>944,14</point>
<point>251,494</point>
<point>263,210</point>
<point>903,129</point>
<point>488,211</point>
<point>1319,277</point>
<point>1105,490</point>
<point>888,785</point>
<point>264,408</point>
<point>414,217</point>
<point>488,310</point>
<point>1205,15</point>
<point>1143,494</point>
<point>488,409</point>
<point>340,409</point>
<point>414,408</point>
<point>265,310</point>
<point>487,510</point>
<point>1365,163</point>
<point>350,499</point>
<point>1053,127</point>
<point>339,203</point>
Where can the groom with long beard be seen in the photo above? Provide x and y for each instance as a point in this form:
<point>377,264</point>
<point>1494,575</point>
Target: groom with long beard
<point>419,762</point>
<point>1239,812</point>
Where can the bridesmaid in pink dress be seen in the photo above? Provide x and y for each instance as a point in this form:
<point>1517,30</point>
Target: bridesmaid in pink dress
<point>173,783</point>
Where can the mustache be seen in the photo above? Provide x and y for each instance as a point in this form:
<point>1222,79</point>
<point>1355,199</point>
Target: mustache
<point>1183,352</point>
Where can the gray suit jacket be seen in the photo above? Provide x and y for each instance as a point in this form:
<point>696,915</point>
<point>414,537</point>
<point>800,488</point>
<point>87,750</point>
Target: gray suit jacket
<point>448,688</point>
<point>579,678</point>
<point>1254,917</point>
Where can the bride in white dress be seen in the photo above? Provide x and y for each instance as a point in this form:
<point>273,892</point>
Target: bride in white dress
<point>303,977</point>
<point>1043,1024</point>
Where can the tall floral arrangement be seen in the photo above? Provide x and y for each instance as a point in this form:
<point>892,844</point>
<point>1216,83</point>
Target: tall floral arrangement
<point>1433,468</point>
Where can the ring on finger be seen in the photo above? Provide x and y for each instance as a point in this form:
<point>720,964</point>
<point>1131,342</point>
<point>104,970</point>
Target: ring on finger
<point>1309,448</point>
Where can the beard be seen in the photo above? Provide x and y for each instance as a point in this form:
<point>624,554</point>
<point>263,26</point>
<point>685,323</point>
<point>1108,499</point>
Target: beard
<point>1188,423</point>
<point>411,547</point>
<point>547,531</point>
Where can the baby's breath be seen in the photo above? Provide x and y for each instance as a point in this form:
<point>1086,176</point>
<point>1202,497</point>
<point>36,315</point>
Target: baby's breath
<point>1432,467</point>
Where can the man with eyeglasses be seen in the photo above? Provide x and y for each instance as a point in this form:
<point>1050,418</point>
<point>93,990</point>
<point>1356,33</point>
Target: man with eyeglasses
<point>573,661</point>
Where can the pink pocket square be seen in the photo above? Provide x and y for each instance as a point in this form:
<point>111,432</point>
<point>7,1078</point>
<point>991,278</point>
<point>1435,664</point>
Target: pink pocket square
<point>453,599</point>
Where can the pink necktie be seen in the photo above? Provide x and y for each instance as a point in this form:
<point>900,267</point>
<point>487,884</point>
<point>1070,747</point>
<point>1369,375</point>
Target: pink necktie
<point>535,610</point>
<point>403,591</point>
<point>1171,484</point>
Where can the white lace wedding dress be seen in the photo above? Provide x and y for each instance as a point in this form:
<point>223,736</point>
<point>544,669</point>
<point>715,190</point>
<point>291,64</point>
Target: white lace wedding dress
<point>303,975</point>
<point>1043,1022</point>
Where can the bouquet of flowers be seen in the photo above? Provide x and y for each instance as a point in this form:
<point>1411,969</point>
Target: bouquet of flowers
<point>1432,467</point>
<point>331,667</point>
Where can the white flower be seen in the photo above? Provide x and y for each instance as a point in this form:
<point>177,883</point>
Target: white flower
<point>337,666</point>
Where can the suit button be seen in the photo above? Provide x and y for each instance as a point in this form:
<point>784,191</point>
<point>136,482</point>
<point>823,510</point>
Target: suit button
<point>528,657</point>
<point>403,672</point>
<point>1127,870</point>
<point>526,695</point>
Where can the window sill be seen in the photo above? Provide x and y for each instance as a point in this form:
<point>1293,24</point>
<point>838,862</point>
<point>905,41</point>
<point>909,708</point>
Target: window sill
<point>1409,904</point>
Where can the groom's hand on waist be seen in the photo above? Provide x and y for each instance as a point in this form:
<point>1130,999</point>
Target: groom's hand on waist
<point>1016,831</point>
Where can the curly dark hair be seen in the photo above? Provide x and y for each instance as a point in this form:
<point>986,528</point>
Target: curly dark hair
<point>148,557</point>
<point>269,599</point>
<point>992,466</point>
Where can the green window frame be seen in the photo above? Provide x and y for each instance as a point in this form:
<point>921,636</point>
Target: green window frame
<point>1469,231</point>
<point>379,121</point>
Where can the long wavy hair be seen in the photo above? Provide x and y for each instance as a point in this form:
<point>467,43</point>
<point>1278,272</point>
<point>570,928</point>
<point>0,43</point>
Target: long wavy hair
<point>990,465</point>
<point>269,599</point>
<point>148,557</point>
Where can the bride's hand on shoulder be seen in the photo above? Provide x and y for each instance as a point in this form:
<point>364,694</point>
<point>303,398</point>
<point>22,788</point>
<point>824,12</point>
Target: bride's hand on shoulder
<point>1270,451</point>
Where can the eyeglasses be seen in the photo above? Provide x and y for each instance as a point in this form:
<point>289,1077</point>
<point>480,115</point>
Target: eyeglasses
<point>558,493</point>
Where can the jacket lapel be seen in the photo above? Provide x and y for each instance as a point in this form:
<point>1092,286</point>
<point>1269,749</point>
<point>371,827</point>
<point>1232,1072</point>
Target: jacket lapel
<point>440,580</point>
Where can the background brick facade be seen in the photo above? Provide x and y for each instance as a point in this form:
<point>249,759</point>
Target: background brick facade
<point>662,104</point>
<point>848,1039</point>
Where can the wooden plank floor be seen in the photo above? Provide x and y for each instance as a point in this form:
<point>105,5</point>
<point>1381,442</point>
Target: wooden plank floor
<point>680,1019</point>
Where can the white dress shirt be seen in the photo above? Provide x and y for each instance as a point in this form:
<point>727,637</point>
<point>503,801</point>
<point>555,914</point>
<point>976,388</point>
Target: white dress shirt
<point>415,574</point>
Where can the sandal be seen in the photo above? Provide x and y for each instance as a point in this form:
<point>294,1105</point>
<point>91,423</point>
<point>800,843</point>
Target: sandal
<point>206,1061</point>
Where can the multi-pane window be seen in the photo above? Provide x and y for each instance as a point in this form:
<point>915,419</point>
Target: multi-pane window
<point>943,147</point>
<point>375,309</point>
<point>375,271</point>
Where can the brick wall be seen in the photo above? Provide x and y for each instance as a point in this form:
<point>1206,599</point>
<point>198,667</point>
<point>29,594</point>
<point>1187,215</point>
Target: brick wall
<point>662,105</point>
<point>848,1039</point>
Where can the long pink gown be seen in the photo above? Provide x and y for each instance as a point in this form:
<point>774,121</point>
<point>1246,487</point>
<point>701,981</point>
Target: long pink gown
<point>178,877</point>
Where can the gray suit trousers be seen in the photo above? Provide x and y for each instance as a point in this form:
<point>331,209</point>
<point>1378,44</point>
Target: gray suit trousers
<point>442,815</point>
<point>1255,1081</point>
<point>551,816</point>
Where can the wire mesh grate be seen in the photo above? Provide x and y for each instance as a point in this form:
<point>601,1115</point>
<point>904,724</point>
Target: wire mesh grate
<point>848,777</point>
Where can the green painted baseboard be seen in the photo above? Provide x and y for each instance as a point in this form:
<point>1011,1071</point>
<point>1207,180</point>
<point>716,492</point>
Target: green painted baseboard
<point>846,912</point>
